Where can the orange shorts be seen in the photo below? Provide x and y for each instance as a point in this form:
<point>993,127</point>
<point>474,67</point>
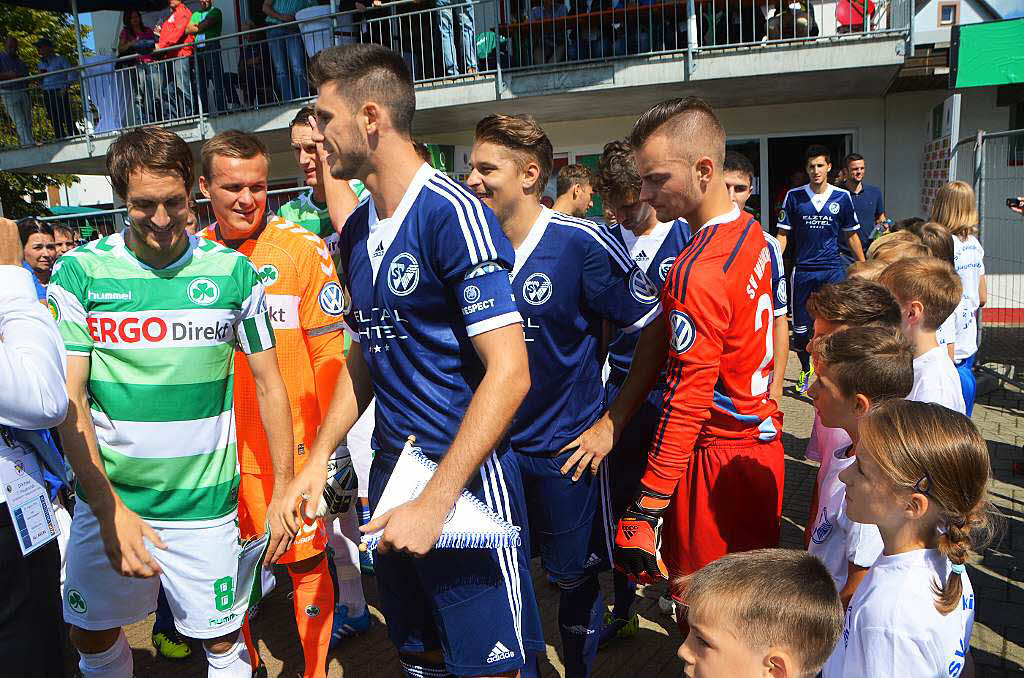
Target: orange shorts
<point>254,492</point>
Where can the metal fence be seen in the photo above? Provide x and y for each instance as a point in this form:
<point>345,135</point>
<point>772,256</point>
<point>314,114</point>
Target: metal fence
<point>471,39</point>
<point>993,163</point>
<point>98,224</point>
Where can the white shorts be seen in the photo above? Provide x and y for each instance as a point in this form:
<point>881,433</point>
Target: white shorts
<point>200,570</point>
<point>358,442</point>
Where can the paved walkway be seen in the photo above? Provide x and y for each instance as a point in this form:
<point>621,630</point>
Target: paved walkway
<point>998,578</point>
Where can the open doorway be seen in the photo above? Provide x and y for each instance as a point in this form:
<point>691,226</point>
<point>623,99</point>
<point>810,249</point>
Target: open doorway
<point>786,165</point>
<point>751,148</point>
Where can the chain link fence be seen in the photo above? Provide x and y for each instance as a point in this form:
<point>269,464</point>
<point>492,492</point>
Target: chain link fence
<point>97,224</point>
<point>993,163</point>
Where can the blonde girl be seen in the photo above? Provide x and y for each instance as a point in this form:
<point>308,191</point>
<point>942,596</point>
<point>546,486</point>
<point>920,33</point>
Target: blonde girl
<point>956,208</point>
<point>921,476</point>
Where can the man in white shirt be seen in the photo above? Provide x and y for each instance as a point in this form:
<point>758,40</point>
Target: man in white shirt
<point>32,396</point>
<point>927,290</point>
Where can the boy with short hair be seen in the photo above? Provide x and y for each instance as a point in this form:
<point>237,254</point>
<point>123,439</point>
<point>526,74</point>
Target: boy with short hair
<point>928,290</point>
<point>856,368</point>
<point>767,609</point>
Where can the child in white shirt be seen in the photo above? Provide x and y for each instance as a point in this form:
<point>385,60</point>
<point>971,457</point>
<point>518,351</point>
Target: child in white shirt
<point>928,290</point>
<point>921,475</point>
<point>855,369</point>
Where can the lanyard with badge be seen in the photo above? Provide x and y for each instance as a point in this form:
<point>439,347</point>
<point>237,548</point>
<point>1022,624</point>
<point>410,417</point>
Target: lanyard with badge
<point>22,487</point>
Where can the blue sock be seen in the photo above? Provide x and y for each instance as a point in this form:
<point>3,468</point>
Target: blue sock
<point>164,622</point>
<point>625,594</point>
<point>580,616</point>
<point>968,384</point>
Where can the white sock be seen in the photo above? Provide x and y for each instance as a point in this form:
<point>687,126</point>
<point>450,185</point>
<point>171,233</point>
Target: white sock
<point>235,663</point>
<point>350,589</point>
<point>114,662</point>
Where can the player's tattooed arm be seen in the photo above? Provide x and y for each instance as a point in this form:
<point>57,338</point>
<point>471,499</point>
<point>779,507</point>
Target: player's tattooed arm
<point>121,529</point>
<point>415,526</point>
<point>275,413</point>
<point>352,395</point>
<point>594,444</point>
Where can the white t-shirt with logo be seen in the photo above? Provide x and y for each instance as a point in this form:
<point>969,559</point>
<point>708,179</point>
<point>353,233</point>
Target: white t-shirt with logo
<point>969,262</point>
<point>892,627</point>
<point>824,441</point>
<point>835,539</point>
<point>937,381</point>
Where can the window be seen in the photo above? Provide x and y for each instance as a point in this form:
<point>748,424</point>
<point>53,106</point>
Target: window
<point>949,13</point>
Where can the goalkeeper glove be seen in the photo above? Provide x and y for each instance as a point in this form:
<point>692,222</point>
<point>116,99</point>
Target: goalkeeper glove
<point>342,485</point>
<point>638,538</point>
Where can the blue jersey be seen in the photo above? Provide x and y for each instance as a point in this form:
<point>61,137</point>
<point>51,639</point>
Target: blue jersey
<point>780,296</point>
<point>569,276</point>
<point>654,253</point>
<point>421,284</point>
<point>817,221</point>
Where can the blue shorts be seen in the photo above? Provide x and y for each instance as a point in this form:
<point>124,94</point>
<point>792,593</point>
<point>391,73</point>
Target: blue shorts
<point>803,285</point>
<point>570,521</point>
<point>628,459</point>
<point>475,605</point>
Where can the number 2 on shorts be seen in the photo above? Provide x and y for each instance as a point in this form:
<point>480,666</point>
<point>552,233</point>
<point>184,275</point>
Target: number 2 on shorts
<point>224,593</point>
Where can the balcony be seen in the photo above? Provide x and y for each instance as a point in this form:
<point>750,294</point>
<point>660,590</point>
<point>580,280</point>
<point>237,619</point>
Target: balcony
<point>584,60</point>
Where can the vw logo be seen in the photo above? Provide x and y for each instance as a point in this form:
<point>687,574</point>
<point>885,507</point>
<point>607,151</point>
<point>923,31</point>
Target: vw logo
<point>332,299</point>
<point>403,274</point>
<point>642,289</point>
<point>537,289</point>
<point>683,331</point>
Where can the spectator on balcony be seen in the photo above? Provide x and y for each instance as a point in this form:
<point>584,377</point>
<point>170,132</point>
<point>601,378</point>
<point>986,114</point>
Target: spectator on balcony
<point>286,50</point>
<point>467,35</point>
<point>56,97</point>
<point>138,79</point>
<point>549,39</point>
<point>15,95</point>
<point>176,70</point>
<point>254,67</point>
<point>206,27</point>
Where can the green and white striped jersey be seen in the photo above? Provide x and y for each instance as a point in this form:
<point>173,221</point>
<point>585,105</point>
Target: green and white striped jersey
<point>312,216</point>
<point>161,345</point>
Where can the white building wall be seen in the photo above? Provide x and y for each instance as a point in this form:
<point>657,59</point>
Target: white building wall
<point>926,21</point>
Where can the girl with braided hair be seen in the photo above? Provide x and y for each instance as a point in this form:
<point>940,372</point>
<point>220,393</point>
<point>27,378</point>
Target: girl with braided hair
<point>921,476</point>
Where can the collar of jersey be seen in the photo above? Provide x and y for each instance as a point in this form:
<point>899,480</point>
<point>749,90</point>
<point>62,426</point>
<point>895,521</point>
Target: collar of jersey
<point>731,215</point>
<point>829,188</point>
<point>177,263</point>
<point>529,244</point>
<point>309,201</point>
<point>419,180</point>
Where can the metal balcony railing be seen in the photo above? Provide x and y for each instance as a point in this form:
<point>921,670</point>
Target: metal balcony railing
<point>442,43</point>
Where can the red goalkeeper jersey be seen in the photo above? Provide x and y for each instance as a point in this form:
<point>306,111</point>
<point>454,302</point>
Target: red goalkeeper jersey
<point>717,300</point>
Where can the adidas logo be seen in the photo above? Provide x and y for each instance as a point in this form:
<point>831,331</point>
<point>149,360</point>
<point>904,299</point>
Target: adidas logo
<point>629,531</point>
<point>641,256</point>
<point>592,560</point>
<point>499,652</point>
<point>379,252</point>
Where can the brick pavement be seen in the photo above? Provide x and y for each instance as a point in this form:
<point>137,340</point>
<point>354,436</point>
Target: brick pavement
<point>998,578</point>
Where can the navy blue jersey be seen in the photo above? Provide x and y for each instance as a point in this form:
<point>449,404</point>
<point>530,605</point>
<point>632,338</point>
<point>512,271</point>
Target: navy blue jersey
<point>654,253</point>
<point>421,284</point>
<point>816,221</point>
<point>780,296</point>
<point>569,276</point>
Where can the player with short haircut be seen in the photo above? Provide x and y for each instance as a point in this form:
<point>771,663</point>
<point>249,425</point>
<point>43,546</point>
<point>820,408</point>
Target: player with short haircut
<point>151,318</point>
<point>309,210</point>
<point>817,214</point>
<point>739,179</point>
<point>305,306</point>
<point>763,612</point>
<point>716,346</point>
<point>571,277</point>
<point>574,189</point>
<point>653,245</point>
<point>437,337</point>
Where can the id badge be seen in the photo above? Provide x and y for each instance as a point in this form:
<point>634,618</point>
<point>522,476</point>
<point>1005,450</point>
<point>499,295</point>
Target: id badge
<point>21,482</point>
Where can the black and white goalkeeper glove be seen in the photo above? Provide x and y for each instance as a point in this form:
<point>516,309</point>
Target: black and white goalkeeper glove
<point>342,485</point>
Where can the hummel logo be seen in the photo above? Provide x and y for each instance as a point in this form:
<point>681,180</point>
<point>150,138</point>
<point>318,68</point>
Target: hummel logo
<point>499,652</point>
<point>379,252</point>
<point>641,256</point>
<point>592,560</point>
<point>629,531</point>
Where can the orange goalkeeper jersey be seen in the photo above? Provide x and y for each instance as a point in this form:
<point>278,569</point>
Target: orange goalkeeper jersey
<point>305,302</point>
